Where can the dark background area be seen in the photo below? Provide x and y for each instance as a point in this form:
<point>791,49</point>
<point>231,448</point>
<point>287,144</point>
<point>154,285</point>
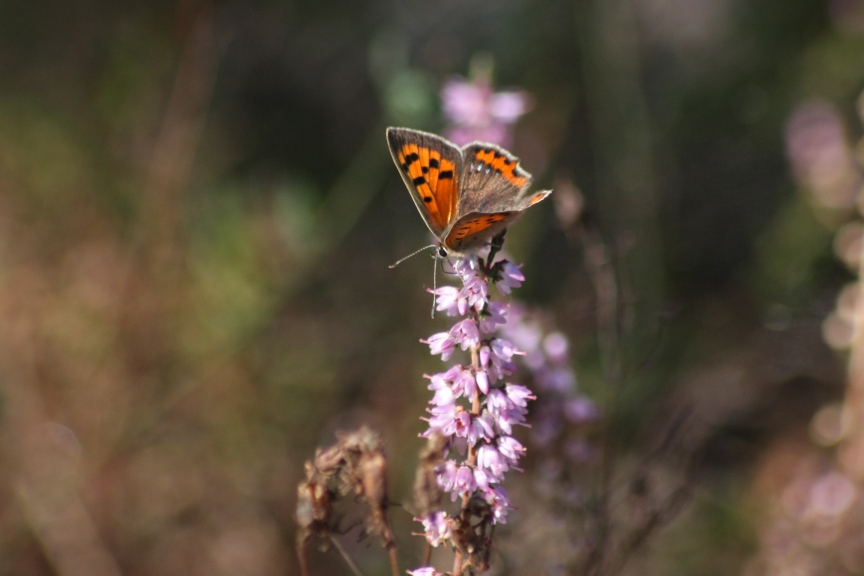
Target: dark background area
<point>197,211</point>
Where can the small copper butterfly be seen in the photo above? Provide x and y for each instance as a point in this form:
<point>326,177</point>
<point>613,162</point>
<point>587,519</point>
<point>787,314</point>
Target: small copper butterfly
<point>466,195</point>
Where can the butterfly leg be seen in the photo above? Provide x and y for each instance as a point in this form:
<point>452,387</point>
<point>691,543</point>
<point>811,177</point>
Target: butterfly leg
<point>495,246</point>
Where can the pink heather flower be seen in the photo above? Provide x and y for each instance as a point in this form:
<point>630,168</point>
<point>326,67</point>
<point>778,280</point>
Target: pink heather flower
<point>495,133</point>
<point>441,343</point>
<point>476,291</point>
<point>446,419</point>
<point>466,268</point>
<point>466,103</point>
<point>481,479</point>
<point>438,527</point>
<point>526,335</point>
<point>482,380</point>
<point>509,106</point>
<point>496,314</point>
<point>556,347</point>
<point>506,414</point>
<point>518,394</point>
<point>497,402</point>
<point>443,378</point>
<point>463,423</point>
<point>478,113</point>
<point>501,364</point>
<point>447,476</point>
<point>462,306</point>
<point>436,381</point>
<point>831,495</point>
<point>463,482</point>
<point>503,349</point>
<point>495,367</point>
<point>484,356</point>
<point>511,277</point>
<point>425,571</point>
<point>534,359</point>
<point>815,139</point>
<point>510,448</point>
<point>498,368</point>
<point>465,385</point>
<point>461,445</point>
<point>447,300</point>
<point>464,333</point>
<point>560,379</point>
<point>481,428</point>
<point>580,410</point>
<point>474,432</point>
<point>499,500</point>
<point>491,460</point>
<point>444,396</point>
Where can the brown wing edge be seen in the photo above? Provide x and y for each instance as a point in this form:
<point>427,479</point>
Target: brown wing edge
<point>397,138</point>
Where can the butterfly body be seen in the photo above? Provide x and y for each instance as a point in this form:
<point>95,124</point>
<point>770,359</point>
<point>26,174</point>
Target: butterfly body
<point>468,195</point>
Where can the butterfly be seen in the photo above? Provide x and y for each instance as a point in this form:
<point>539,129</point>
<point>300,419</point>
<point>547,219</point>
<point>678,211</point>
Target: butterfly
<point>467,196</point>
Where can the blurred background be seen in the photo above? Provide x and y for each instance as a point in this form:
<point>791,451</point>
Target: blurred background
<point>197,211</point>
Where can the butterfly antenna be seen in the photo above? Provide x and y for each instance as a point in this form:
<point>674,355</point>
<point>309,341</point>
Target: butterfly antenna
<point>410,255</point>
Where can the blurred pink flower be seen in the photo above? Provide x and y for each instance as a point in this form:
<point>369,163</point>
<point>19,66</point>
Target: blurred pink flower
<point>820,156</point>
<point>475,112</point>
<point>814,137</point>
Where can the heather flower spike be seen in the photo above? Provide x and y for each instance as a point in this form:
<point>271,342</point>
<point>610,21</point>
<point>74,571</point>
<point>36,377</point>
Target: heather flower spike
<point>473,412</point>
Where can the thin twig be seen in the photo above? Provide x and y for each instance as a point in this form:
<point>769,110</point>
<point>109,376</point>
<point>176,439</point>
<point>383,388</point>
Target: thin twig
<point>301,557</point>
<point>348,560</point>
<point>394,560</point>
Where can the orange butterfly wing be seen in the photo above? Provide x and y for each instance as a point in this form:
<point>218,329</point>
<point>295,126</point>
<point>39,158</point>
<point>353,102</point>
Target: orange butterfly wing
<point>506,166</point>
<point>475,230</point>
<point>430,169</point>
